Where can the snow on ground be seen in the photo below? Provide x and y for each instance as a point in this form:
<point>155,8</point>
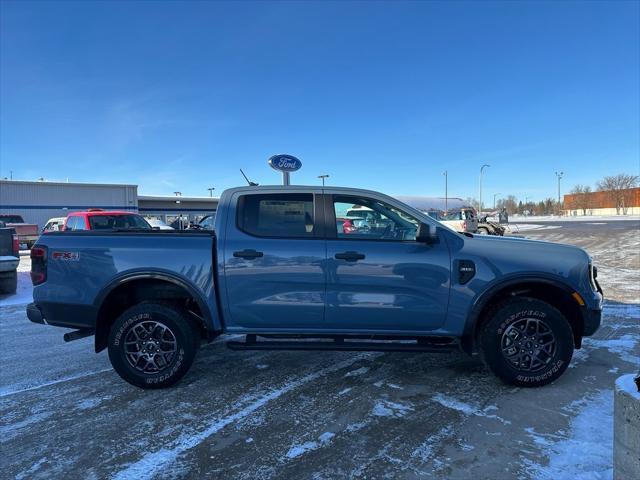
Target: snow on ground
<point>586,452</point>
<point>584,218</point>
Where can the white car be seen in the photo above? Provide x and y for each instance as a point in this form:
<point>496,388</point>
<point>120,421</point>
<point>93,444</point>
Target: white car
<point>54,224</point>
<point>158,224</point>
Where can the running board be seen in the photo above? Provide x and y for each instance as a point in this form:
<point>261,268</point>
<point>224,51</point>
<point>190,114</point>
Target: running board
<point>342,344</point>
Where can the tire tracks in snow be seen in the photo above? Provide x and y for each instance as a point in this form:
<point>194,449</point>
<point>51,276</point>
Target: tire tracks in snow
<point>155,462</point>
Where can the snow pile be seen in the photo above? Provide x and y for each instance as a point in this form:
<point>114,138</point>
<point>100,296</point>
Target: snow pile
<point>626,384</point>
<point>586,452</point>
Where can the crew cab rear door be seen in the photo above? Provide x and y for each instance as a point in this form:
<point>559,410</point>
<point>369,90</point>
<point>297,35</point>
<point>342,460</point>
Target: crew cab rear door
<point>379,278</point>
<point>274,255</point>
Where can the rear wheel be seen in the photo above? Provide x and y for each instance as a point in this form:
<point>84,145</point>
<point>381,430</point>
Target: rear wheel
<point>483,231</point>
<point>153,345</point>
<point>9,282</point>
<point>527,342</point>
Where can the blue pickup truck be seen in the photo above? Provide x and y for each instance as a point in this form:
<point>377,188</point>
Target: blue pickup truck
<point>291,268</point>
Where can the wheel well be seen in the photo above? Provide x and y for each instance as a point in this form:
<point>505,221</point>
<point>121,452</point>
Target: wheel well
<point>555,296</point>
<point>142,290</point>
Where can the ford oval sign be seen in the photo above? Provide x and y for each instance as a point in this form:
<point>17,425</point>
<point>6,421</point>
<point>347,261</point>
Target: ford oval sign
<point>285,163</point>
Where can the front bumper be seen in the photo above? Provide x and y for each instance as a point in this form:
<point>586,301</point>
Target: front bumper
<point>592,320</point>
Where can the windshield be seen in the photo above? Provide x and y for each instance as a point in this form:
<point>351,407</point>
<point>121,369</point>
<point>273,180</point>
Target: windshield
<point>11,219</point>
<point>112,222</point>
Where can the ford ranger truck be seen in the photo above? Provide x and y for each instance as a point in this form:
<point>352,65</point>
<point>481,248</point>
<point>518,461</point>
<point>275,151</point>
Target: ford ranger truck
<point>280,270</point>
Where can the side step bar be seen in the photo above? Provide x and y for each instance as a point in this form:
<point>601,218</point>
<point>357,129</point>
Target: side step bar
<point>343,344</point>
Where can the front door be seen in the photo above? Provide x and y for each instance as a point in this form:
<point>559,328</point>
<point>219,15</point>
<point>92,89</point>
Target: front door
<point>274,260</point>
<point>379,278</point>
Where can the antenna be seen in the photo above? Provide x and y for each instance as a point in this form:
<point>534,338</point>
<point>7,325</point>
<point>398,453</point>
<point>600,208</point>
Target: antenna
<point>251,184</point>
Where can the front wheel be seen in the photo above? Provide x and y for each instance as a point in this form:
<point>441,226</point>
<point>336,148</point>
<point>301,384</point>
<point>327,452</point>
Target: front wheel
<point>153,345</point>
<point>527,343</point>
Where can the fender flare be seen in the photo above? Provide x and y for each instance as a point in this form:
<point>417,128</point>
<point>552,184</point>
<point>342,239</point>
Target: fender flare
<point>209,321</point>
<point>482,300</point>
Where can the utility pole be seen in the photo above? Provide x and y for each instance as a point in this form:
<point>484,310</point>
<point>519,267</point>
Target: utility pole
<point>322,177</point>
<point>211,189</point>
<point>559,175</point>
<point>494,200</point>
<point>480,187</point>
<point>526,201</point>
<point>446,191</point>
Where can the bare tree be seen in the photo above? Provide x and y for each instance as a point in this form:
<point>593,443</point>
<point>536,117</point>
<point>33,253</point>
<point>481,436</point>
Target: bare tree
<point>618,190</point>
<point>510,204</point>
<point>582,198</point>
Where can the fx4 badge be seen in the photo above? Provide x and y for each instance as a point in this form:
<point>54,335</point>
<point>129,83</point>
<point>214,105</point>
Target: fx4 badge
<point>66,256</point>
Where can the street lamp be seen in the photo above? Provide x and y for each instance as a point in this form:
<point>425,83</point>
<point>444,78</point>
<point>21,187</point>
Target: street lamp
<point>322,177</point>
<point>494,200</point>
<point>211,189</point>
<point>559,175</point>
<point>480,187</point>
<point>446,193</point>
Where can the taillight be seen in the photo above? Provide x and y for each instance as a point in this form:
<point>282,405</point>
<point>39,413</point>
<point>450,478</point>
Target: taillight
<point>38,264</point>
<point>16,246</point>
<point>464,225</point>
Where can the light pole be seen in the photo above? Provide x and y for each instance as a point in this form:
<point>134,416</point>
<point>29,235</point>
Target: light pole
<point>211,189</point>
<point>494,200</point>
<point>446,191</point>
<point>526,202</point>
<point>559,175</point>
<point>322,177</point>
<point>480,187</point>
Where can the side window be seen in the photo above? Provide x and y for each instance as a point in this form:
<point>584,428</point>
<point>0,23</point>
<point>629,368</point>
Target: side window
<point>71,223</point>
<point>369,219</point>
<point>287,215</point>
<point>80,224</point>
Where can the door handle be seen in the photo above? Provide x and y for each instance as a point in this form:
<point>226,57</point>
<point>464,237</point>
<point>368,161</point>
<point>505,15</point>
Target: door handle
<point>247,254</point>
<point>349,256</point>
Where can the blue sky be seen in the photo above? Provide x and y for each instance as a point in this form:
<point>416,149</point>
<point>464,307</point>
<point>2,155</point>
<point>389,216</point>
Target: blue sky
<point>383,95</point>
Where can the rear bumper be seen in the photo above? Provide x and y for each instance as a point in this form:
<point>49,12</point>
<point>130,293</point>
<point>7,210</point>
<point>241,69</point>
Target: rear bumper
<point>592,320</point>
<point>34,314</point>
<point>8,263</point>
<point>62,315</point>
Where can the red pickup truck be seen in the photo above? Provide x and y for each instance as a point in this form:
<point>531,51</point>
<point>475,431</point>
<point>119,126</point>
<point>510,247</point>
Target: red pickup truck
<point>26,233</point>
<point>98,219</point>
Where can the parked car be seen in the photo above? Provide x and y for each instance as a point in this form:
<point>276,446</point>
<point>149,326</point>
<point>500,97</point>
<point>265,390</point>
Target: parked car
<point>98,219</point>
<point>461,220</point>
<point>54,225</point>
<point>206,223</point>
<point>9,260</point>
<point>27,233</point>
<point>279,270</point>
<point>158,224</point>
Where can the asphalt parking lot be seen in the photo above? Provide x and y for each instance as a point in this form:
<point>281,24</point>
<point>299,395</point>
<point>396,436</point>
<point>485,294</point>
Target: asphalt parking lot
<point>250,415</point>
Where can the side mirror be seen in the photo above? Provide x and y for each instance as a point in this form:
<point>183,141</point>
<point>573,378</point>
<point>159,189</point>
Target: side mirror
<point>426,234</point>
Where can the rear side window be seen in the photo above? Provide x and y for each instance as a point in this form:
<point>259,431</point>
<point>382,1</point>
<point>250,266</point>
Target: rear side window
<point>287,215</point>
<point>111,222</point>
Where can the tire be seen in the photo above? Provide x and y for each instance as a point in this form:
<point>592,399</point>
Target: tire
<point>483,231</point>
<point>505,345</point>
<point>9,283</point>
<point>153,328</point>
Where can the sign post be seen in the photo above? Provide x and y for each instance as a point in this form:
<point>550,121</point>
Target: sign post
<point>285,164</point>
